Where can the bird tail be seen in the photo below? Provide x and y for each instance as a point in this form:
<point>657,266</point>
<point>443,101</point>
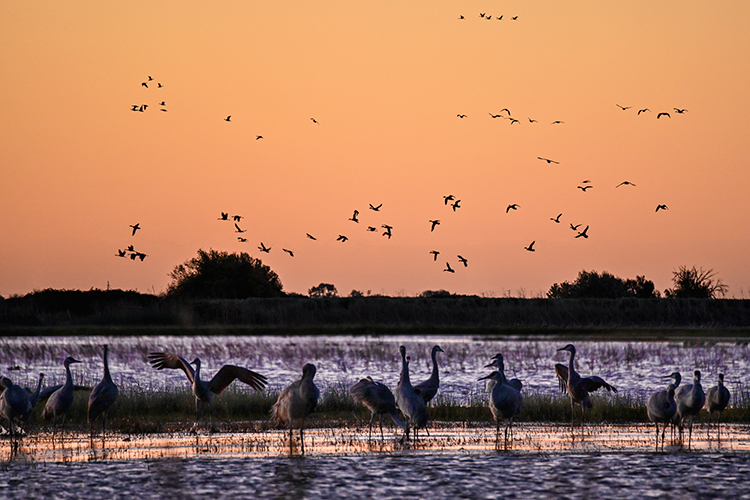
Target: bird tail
<point>397,420</point>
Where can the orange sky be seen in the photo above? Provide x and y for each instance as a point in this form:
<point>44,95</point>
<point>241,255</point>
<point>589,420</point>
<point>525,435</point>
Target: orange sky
<point>385,81</point>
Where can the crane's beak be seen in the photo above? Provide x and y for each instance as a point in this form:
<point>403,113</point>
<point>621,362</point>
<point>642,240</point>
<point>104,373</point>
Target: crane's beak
<point>485,377</point>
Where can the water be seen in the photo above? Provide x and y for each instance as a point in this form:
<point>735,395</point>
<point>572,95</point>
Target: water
<point>393,475</point>
<point>635,368</point>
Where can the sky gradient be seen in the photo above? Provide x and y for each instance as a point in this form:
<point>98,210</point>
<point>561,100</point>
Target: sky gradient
<point>385,81</point>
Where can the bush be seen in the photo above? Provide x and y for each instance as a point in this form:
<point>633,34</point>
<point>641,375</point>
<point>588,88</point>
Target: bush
<point>221,275</point>
<point>323,290</point>
<point>592,285</point>
<point>695,284</point>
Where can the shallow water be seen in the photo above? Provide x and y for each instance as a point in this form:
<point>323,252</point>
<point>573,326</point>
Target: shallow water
<point>635,368</point>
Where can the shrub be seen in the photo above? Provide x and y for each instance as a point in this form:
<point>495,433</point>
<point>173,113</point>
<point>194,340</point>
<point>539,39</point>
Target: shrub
<point>592,285</point>
<point>695,284</point>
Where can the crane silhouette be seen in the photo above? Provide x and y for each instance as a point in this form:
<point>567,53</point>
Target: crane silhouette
<point>505,403</point>
<point>577,387</point>
<point>435,222</point>
<point>102,397</point>
<point>204,391</point>
<point>498,362</point>
<point>379,399</point>
<point>690,399</point>
<point>717,399</point>
<point>15,404</point>
<point>296,402</point>
<point>661,407</point>
<point>409,402</point>
<point>429,388</point>
<point>61,400</point>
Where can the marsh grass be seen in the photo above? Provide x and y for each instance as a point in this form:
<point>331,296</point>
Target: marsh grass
<point>141,410</point>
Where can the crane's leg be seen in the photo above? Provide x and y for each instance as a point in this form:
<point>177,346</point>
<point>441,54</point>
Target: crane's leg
<point>91,433</point>
<point>657,436</point>
<point>690,433</point>
<point>372,417</point>
<point>302,439</point>
<point>718,425</point>
<point>380,421</point>
<point>104,426</point>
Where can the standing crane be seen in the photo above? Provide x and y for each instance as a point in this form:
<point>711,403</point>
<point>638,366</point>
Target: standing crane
<point>498,363</point>
<point>14,405</point>
<point>428,389</point>
<point>61,400</point>
<point>379,399</point>
<point>505,403</point>
<point>296,402</point>
<point>577,387</point>
<point>409,402</point>
<point>717,399</point>
<point>690,399</point>
<point>661,408</point>
<point>205,390</point>
<point>101,398</point>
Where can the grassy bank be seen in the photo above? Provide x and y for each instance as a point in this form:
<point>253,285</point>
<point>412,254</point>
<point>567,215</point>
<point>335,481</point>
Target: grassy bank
<point>141,411</point>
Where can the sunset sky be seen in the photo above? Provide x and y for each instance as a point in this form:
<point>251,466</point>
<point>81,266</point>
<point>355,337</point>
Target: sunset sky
<point>385,82</point>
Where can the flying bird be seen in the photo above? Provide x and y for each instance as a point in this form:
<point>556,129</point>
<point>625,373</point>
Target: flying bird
<point>643,110</point>
<point>513,120</point>
<point>434,253</point>
<point>120,253</point>
<point>263,248</point>
<point>237,218</point>
<point>291,254</point>
<point>136,227</point>
<point>556,219</point>
<point>434,223</point>
<point>456,205</point>
<point>159,85</point>
<point>556,122</point>
<point>625,183</point>
<point>353,218</point>
<point>144,84</point>
<point>574,228</point>
<point>448,268</point>
<point>241,239</point>
<point>533,121</point>
<point>342,238</point>
<point>258,137</point>
<point>496,116</point>
<point>228,118</point>
<point>663,114</point>
<point>461,116</point>
<point>583,234</point>
<point>150,79</point>
<point>372,229</point>
<point>514,206</point>
<point>224,216</point>
<point>377,209</point>
<point>548,160</point>
<point>584,188</point>
<point>310,236</point>
<point>238,229</point>
<point>661,207</point>
<point>315,121</point>
<point>463,261</point>
<point>448,198</point>
<point>514,18</point>
<point>679,111</point>
<point>530,248</point>
<point>623,107</point>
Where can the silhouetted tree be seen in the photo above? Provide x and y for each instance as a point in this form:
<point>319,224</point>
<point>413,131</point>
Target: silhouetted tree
<point>356,294</point>
<point>695,283</point>
<point>592,285</point>
<point>222,275</point>
<point>323,290</point>
<point>435,294</point>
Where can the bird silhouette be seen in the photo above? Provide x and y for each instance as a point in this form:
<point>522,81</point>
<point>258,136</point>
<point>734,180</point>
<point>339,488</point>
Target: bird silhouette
<point>717,399</point>
<point>205,390</point>
<point>496,116</point>
<point>134,107</point>
<point>224,216</point>
<point>159,85</point>
<point>625,183</point>
<point>574,228</point>
<point>548,160</point>
<point>557,122</point>
<point>513,120</point>
<point>435,254</point>
<point>514,18</point>
<point>296,402</point>
<point>530,248</point>
<point>663,114</point>
<point>237,218</point>
<point>461,116</point>
<point>241,239</point>
<point>584,188</point>
<point>291,254</point>
<point>583,234</point>
<point>643,110</point>
<point>120,253</point>
<point>15,404</point>
<point>387,231</point>
<point>533,121</point>
<point>448,268</point>
<point>434,223</point>
<point>135,227</point>
<point>310,236</point>
<point>448,198</point>
<point>409,402</point>
<point>150,79</point>
<point>623,107</point>
<point>342,238</point>
<point>163,103</point>
<point>377,209</point>
<point>258,137</point>
<point>577,387</point>
<point>661,207</point>
<point>144,84</point>
<point>556,219</point>
<point>238,230</point>
<point>679,111</point>
<point>263,248</point>
<point>371,229</point>
<point>130,248</point>
<point>463,261</point>
<point>661,407</point>
<point>456,205</point>
<point>506,110</point>
<point>102,397</point>
<point>505,403</point>
<point>315,121</point>
<point>429,388</point>
<point>61,400</point>
<point>514,206</point>
<point>354,217</point>
<point>143,107</point>
<point>377,398</point>
<point>690,399</point>
<point>228,118</point>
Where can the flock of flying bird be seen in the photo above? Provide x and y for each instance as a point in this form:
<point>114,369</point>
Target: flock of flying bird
<point>407,407</point>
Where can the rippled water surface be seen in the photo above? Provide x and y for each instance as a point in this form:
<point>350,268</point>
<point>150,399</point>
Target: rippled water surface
<point>399,475</point>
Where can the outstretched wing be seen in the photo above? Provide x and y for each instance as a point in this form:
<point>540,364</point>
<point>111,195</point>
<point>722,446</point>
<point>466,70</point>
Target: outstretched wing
<point>229,373</point>
<point>594,383</point>
<point>161,360</point>
<point>562,376</point>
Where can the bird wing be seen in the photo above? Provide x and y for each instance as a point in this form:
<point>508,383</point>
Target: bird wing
<point>229,373</point>
<point>594,383</point>
<point>161,360</point>
<point>562,375</point>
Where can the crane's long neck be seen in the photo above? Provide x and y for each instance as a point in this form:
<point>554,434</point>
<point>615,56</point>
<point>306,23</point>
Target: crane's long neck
<point>68,376</point>
<point>404,370</point>
<point>107,376</point>
<point>435,376</point>
<point>197,374</point>
<point>35,395</point>
<point>571,369</point>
